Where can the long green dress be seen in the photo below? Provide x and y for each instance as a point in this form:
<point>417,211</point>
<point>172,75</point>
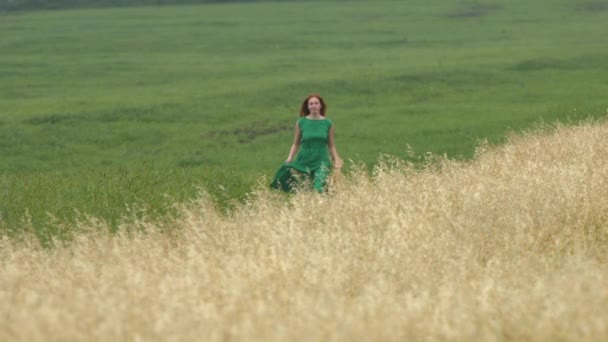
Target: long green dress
<point>312,163</point>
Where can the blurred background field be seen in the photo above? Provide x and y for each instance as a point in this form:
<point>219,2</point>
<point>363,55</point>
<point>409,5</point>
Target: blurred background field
<point>106,109</point>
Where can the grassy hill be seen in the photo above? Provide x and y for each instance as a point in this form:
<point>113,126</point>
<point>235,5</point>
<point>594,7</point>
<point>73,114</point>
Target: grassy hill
<point>511,246</point>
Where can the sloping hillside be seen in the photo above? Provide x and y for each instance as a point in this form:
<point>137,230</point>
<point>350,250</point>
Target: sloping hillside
<point>511,246</point>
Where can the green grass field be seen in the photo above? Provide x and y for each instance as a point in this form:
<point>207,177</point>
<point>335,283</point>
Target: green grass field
<point>103,109</point>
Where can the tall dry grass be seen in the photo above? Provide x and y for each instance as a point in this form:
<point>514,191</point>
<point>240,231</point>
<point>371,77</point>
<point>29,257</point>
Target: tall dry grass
<point>512,245</point>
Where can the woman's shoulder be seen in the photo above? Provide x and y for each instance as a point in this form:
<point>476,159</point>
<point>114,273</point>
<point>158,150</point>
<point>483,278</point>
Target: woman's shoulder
<point>305,120</point>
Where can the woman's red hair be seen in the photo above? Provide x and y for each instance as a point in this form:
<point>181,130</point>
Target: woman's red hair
<point>304,109</point>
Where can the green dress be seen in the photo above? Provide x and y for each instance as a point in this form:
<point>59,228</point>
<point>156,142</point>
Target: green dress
<point>312,163</point>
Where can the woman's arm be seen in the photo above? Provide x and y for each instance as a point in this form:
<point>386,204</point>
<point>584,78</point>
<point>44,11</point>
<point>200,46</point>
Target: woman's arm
<point>332,149</point>
<point>296,144</point>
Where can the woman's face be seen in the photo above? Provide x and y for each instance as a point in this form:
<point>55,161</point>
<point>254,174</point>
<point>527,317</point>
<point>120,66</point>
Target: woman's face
<point>314,105</point>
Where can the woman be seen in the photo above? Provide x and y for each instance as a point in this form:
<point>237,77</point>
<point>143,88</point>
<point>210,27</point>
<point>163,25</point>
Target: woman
<point>314,138</point>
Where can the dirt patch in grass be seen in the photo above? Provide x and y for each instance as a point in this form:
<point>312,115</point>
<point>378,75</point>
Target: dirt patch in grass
<point>48,119</point>
<point>536,64</point>
<point>249,133</point>
<point>596,6</point>
<point>474,11</point>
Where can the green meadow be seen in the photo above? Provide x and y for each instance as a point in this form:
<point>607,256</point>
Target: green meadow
<point>122,112</point>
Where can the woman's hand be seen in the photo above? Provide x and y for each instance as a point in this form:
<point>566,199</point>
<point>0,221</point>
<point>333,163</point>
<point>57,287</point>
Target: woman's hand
<point>338,164</point>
